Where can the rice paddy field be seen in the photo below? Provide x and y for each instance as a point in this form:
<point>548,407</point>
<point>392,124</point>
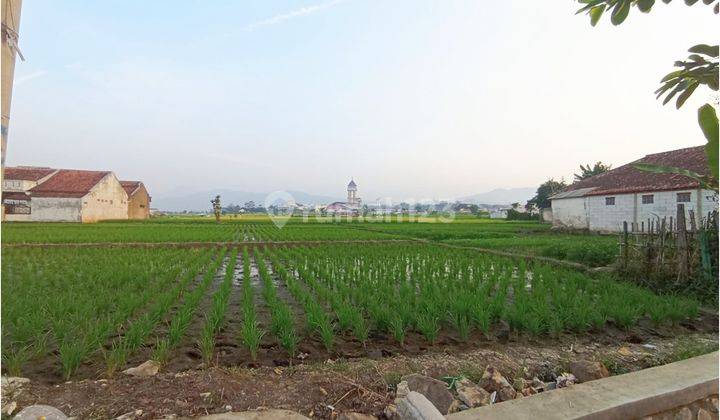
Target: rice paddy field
<point>331,291</point>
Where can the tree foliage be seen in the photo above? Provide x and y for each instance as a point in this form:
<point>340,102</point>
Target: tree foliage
<point>700,68</point>
<point>620,9</point>
<point>546,190</point>
<point>586,171</point>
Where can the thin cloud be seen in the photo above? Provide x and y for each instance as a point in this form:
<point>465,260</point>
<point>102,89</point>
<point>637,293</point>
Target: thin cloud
<point>28,77</point>
<point>303,11</point>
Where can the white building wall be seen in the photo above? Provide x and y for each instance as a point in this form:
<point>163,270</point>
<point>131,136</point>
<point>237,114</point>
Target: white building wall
<point>17,185</point>
<point>630,208</point>
<point>569,213</point>
<point>55,209</point>
<point>106,201</point>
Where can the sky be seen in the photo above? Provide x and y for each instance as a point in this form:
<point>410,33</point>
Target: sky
<point>421,99</point>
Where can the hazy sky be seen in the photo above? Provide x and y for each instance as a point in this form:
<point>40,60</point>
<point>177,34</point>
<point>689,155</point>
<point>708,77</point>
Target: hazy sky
<point>416,98</point>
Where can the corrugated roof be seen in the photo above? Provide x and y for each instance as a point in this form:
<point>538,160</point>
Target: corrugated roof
<point>69,183</point>
<point>27,173</point>
<point>627,179</point>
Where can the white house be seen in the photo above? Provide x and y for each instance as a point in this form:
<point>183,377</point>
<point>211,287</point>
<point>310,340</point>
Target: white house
<point>16,183</point>
<point>71,195</point>
<point>626,194</point>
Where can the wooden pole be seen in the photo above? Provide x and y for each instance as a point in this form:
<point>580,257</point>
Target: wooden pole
<point>625,244</point>
<point>681,243</point>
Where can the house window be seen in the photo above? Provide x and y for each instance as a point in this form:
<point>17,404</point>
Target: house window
<point>683,197</point>
<point>609,201</point>
<point>648,199</point>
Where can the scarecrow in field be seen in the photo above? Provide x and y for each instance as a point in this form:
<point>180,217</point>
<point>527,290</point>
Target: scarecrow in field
<point>216,208</point>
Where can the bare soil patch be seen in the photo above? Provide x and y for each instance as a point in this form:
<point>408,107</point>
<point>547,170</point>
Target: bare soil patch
<point>323,389</point>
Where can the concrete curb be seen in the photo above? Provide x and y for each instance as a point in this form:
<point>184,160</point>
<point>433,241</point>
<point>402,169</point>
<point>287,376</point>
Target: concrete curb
<point>632,395</point>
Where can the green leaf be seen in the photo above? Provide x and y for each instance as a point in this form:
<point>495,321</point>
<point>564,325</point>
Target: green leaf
<point>620,12</point>
<point>671,75</point>
<point>686,94</point>
<point>678,88</point>
<point>710,50</point>
<point>596,13</point>
<point>708,120</point>
<point>645,5</point>
<point>690,2</point>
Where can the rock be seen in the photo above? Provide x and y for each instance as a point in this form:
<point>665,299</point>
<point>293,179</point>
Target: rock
<point>625,351</point>
<point>46,412</point>
<point>565,380</point>
<point>703,414</point>
<point>492,380</point>
<point>539,385</point>
<point>472,395</point>
<point>149,368</point>
<point>529,391</point>
<point>352,415</point>
<point>402,389</point>
<point>9,408</point>
<point>550,386</point>
<point>416,407</point>
<point>684,414</point>
<point>714,404</point>
<point>586,371</point>
<point>432,389</point>
<point>10,385</point>
<point>271,414</point>
<point>131,415</point>
<point>391,412</point>
<point>506,394</point>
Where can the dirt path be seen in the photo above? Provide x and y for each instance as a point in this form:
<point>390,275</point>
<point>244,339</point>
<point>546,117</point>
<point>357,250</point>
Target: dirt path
<point>326,388</point>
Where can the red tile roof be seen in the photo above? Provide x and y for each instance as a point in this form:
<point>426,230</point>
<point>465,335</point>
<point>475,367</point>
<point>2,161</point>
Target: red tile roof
<point>68,183</point>
<point>27,173</point>
<point>628,179</point>
<point>130,186</point>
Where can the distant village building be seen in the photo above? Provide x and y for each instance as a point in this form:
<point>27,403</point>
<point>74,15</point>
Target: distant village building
<point>71,195</point>
<point>16,183</point>
<point>138,199</point>
<point>626,194</point>
<point>350,207</point>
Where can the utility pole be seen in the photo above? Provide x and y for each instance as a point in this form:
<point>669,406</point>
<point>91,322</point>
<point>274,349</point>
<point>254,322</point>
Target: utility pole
<point>10,27</point>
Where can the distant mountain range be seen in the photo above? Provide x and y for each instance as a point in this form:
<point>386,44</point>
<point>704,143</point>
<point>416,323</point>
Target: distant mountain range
<point>200,201</point>
<point>500,196</point>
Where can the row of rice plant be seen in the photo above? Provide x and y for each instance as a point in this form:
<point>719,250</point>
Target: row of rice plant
<point>185,313</point>
<point>215,317</point>
<point>139,330</point>
<point>428,289</point>
<point>281,317</point>
<point>251,333</point>
<point>70,301</point>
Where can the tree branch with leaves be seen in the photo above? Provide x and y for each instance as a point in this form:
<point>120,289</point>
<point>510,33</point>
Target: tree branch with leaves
<point>699,69</point>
